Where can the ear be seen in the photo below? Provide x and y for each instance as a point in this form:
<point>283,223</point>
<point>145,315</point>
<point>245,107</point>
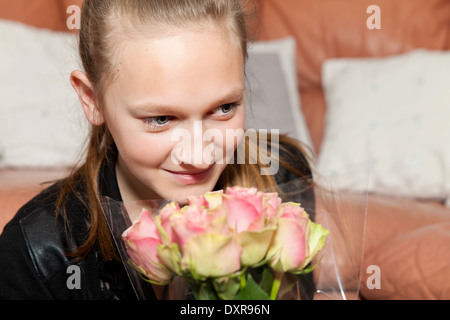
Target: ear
<point>85,93</point>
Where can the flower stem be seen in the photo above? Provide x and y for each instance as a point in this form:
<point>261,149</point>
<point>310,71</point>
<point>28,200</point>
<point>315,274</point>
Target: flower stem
<point>243,280</point>
<point>276,285</point>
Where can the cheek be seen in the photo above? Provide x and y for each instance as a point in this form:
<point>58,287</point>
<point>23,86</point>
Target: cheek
<point>231,134</point>
<point>143,149</point>
<point>236,130</point>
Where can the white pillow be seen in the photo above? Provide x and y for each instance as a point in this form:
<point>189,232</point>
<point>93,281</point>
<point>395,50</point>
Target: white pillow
<point>41,120</point>
<point>393,116</point>
<point>272,100</point>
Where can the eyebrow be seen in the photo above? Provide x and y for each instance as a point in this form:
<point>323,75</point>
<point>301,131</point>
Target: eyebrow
<point>156,108</point>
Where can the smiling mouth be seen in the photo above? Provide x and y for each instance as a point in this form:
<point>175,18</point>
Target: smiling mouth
<point>190,177</point>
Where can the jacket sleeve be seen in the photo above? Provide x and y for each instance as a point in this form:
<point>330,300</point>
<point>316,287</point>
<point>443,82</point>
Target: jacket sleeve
<point>33,260</point>
<point>19,278</point>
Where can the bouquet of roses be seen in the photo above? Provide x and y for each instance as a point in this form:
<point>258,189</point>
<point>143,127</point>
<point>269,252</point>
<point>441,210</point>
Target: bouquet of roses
<point>221,241</point>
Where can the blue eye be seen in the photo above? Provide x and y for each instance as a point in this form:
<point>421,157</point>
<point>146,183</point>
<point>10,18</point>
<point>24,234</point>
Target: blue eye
<point>227,108</point>
<point>162,120</point>
<point>157,121</point>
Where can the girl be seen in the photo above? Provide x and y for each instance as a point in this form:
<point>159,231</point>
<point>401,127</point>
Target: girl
<point>150,68</point>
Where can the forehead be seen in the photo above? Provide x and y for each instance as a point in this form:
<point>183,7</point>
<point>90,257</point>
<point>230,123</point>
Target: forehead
<point>179,68</point>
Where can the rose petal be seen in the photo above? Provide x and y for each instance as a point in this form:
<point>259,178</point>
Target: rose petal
<point>254,245</point>
<point>241,214</point>
<point>144,227</point>
<point>250,195</point>
<point>144,254</point>
<point>287,250</point>
<point>211,255</point>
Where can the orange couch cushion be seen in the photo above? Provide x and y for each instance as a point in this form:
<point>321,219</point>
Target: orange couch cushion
<point>329,29</point>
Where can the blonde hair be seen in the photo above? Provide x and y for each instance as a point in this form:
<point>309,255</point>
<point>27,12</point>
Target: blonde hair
<point>103,23</point>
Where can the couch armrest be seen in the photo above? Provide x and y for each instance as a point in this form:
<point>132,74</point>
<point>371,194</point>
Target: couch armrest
<point>17,186</point>
<point>413,265</point>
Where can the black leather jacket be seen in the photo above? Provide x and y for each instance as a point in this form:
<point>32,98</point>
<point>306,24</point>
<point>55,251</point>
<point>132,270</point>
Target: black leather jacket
<point>33,247</point>
<point>33,263</point>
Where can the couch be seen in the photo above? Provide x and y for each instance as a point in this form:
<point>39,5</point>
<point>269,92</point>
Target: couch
<point>407,236</point>
<point>407,232</point>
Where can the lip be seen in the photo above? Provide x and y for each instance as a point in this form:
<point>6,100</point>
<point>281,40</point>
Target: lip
<point>190,177</point>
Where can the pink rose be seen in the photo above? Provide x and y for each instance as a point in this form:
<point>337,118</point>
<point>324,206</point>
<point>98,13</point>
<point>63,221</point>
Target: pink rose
<point>163,221</point>
<point>288,249</point>
<point>244,209</point>
<point>207,248</point>
<point>251,216</point>
<point>194,220</point>
<point>209,200</point>
<point>314,237</point>
<point>199,201</point>
<point>271,203</point>
<point>142,240</point>
<point>211,255</point>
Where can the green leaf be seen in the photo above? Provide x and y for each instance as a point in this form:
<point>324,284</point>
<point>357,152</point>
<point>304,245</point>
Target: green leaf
<point>227,288</point>
<point>267,280</point>
<point>206,292</point>
<point>252,291</point>
<point>202,290</point>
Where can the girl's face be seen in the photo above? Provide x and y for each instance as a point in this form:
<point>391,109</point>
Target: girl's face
<point>168,93</point>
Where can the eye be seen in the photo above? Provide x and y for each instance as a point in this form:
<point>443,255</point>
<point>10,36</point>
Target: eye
<point>162,120</point>
<point>157,122</point>
<point>225,110</point>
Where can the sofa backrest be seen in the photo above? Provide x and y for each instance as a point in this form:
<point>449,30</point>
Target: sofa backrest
<point>48,14</point>
<point>327,29</point>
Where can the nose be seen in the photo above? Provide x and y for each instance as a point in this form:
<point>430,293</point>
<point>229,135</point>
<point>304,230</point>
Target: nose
<point>190,147</point>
